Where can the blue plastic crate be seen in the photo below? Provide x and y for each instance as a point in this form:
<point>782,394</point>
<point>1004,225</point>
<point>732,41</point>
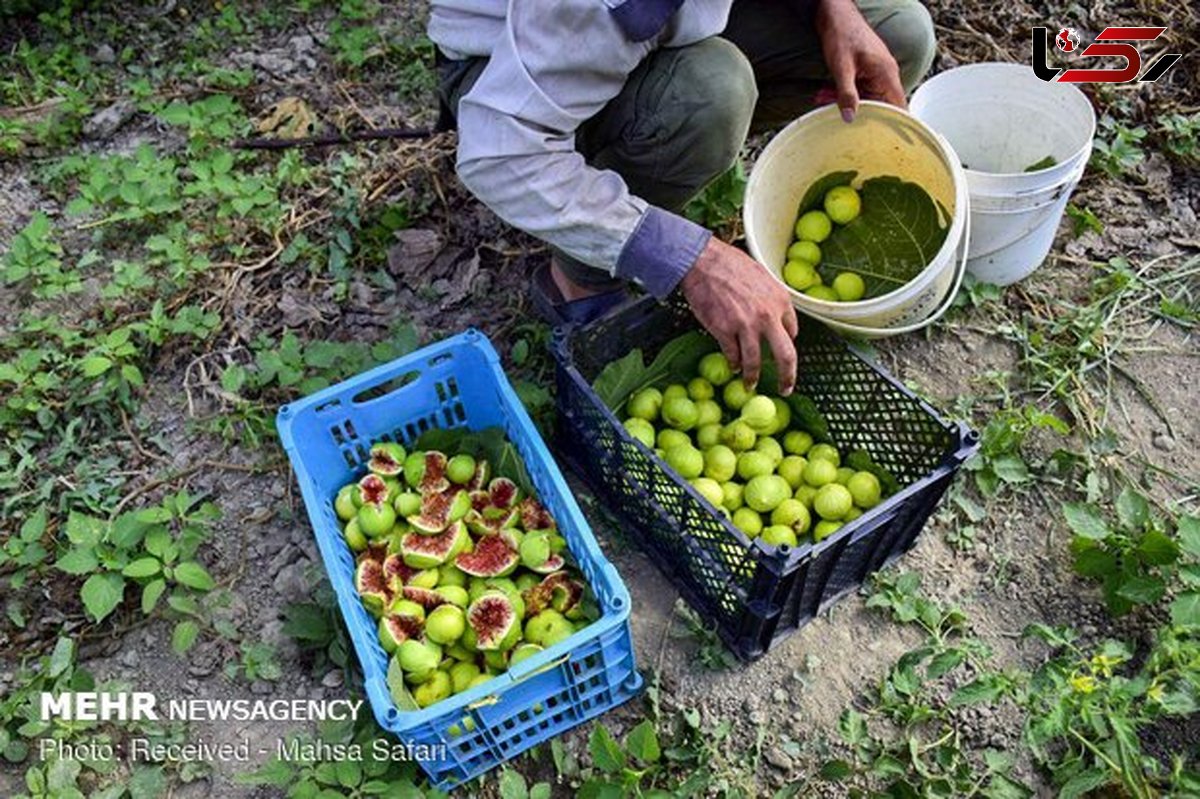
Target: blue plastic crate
<point>459,383</point>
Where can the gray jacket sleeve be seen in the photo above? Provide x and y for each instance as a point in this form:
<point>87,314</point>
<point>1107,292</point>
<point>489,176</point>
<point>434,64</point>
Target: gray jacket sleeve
<point>558,63</point>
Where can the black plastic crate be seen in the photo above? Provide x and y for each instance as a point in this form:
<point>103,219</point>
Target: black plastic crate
<point>755,593</point>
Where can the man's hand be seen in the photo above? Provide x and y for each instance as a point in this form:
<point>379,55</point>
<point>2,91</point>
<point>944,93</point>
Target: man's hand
<point>858,59</point>
<point>738,301</point>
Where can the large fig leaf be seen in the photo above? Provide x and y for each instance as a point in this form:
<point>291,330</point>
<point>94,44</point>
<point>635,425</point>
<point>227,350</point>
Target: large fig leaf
<point>897,234</point>
<point>676,361</point>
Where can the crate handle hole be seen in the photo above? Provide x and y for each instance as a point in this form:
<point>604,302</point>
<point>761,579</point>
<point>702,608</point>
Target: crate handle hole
<point>324,406</point>
<point>389,386</point>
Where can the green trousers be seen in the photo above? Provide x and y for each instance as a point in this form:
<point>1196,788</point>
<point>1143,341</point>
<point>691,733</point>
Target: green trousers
<point>684,114</point>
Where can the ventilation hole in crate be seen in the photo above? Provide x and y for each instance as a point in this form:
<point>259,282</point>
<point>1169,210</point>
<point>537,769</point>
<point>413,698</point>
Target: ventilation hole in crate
<point>448,413</point>
<point>325,406</point>
<point>363,454</point>
<point>452,384</point>
<point>460,413</point>
<point>338,437</point>
<point>386,387</point>
<point>445,357</point>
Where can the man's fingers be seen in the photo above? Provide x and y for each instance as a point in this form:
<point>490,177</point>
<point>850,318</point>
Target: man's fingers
<point>790,323</point>
<point>785,357</point>
<point>751,357</point>
<point>893,92</point>
<point>844,76</point>
<point>731,351</point>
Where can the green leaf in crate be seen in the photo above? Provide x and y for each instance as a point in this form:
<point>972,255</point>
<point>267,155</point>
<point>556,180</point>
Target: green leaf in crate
<point>806,414</point>
<point>897,235</point>
<point>505,459</point>
<point>860,461</point>
<point>676,361</point>
<point>396,687</point>
<point>444,439</point>
<point>620,378</point>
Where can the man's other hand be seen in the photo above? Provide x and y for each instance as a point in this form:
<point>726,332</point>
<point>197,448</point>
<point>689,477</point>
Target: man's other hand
<point>740,303</point>
<point>858,59</point>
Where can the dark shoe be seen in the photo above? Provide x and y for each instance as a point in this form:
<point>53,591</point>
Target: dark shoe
<point>550,304</point>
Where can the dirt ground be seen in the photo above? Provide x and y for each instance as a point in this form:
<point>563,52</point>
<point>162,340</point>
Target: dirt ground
<point>1017,571</point>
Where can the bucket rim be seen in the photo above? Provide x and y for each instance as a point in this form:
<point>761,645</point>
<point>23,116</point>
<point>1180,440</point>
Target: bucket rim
<point>956,231</point>
<point>1068,166</point>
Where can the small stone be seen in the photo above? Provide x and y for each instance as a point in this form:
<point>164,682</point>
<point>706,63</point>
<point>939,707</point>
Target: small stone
<point>104,55</point>
<point>285,556</point>
<point>779,759</point>
<point>1164,442</point>
<point>302,43</point>
<point>200,669</point>
<point>414,251</point>
<point>260,687</point>
<point>129,658</point>
<point>291,583</point>
<point>107,121</point>
<point>196,789</point>
<point>779,695</point>
<point>333,679</point>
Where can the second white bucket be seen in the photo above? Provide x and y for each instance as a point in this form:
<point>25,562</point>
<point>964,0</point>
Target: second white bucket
<point>1001,119</point>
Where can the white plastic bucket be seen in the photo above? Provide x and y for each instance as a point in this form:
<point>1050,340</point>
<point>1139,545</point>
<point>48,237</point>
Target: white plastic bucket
<point>1000,119</point>
<point>882,140</point>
